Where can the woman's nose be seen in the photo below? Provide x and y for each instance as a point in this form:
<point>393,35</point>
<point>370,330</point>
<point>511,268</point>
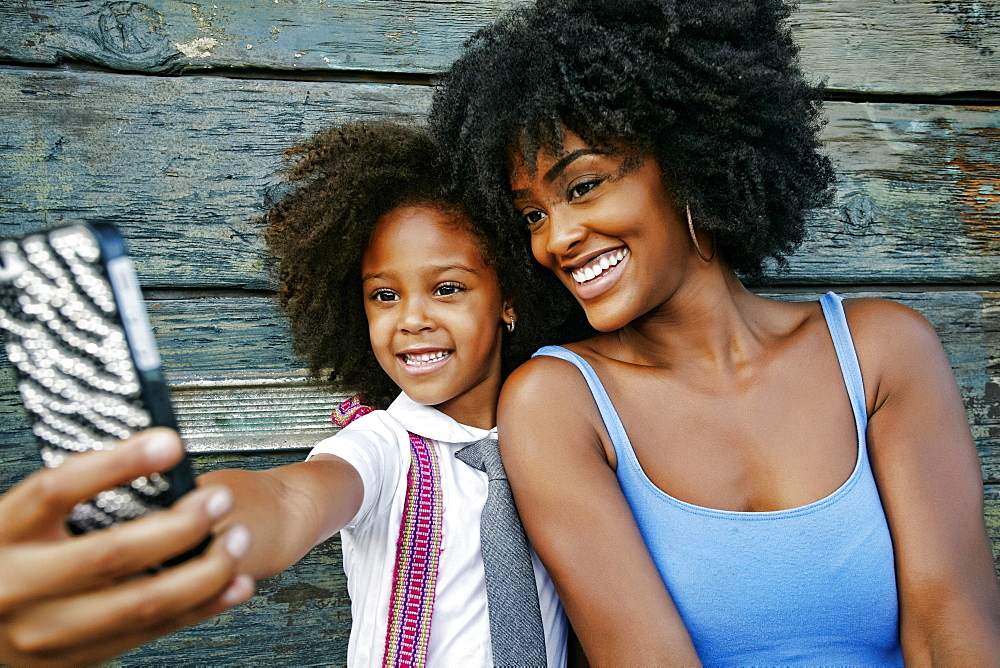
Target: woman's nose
<point>565,232</point>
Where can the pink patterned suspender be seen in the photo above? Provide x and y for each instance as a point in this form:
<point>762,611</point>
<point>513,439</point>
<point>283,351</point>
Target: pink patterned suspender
<point>418,550</point>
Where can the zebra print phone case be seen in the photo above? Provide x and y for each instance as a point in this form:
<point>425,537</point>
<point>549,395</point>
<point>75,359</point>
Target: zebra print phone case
<point>88,371</point>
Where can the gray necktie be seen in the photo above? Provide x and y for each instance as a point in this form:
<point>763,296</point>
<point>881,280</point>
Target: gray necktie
<point>515,617</point>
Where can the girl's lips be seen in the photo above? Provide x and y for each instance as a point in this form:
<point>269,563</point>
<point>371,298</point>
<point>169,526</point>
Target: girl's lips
<point>424,362</point>
<point>597,285</point>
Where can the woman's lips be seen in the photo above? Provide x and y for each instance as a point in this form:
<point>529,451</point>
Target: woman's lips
<point>597,276</point>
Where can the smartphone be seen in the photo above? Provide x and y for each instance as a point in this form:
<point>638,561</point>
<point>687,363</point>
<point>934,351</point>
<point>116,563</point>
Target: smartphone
<point>77,333</point>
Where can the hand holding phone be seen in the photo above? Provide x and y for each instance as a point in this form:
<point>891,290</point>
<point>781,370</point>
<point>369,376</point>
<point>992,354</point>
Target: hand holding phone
<point>89,375</point>
<point>81,600</point>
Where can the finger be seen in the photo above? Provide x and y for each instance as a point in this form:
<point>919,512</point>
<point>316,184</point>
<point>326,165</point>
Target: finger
<point>39,570</point>
<point>141,605</point>
<point>45,498</point>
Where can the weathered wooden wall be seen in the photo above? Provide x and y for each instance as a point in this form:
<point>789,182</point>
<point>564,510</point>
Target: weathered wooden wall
<point>90,128</point>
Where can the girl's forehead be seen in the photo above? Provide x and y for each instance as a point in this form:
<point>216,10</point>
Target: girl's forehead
<point>423,233</point>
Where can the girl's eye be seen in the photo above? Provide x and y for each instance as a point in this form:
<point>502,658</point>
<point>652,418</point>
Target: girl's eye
<point>383,295</point>
<point>446,289</point>
<point>533,217</point>
<point>581,189</point>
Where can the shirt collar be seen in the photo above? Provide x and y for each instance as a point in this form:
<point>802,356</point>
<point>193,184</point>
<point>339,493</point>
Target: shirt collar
<point>429,422</point>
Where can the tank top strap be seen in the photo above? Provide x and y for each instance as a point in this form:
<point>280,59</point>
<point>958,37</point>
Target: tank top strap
<point>836,321</point>
<point>616,430</point>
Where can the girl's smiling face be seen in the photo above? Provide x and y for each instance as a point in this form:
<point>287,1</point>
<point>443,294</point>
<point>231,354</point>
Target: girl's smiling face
<point>606,226</point>
<point>435,313</point>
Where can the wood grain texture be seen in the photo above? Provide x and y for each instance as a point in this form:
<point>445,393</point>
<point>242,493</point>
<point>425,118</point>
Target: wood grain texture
<point>855,45</point>
<point>185,165</point>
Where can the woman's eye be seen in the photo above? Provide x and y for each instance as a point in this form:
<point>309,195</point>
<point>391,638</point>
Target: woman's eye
<point>448,289</point>
<point>581,189</point>
<point>383,295</point>
<point>533,217</point>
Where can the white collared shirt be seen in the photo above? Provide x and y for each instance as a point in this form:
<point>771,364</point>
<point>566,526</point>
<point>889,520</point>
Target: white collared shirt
<point>377,445</point>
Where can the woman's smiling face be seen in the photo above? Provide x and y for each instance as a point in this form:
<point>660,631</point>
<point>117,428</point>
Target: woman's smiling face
<point>606,226</point>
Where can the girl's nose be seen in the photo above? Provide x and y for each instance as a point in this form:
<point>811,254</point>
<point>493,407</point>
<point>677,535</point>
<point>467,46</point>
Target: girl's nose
<point>414,317</point>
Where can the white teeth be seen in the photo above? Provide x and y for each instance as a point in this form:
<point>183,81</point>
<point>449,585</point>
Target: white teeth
<point>598,266</point>
<point>424,358</point>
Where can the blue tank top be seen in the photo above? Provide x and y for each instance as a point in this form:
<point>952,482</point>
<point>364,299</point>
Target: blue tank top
<point>813,585</point>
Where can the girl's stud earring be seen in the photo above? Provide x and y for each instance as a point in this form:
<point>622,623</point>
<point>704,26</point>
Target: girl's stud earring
<point>694,238</point>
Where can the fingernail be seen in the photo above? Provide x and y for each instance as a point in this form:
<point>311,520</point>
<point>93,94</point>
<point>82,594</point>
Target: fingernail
<point>237,541</point>
<point>240,590</point>
<point>161,446</point>
<point>219,503</point>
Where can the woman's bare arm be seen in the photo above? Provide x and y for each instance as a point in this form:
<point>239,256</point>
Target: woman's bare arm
<point>579,522</point>
<point>930,482</point>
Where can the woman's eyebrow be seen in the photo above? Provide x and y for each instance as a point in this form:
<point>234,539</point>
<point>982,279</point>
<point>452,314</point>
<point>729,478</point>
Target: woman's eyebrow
<point>557,169</point>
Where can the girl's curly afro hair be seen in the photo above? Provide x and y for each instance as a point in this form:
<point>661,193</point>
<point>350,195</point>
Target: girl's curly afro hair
<point>342,181</point>
<point>710,88</point>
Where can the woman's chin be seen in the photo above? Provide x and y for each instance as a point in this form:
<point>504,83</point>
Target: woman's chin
<point>607,317</point>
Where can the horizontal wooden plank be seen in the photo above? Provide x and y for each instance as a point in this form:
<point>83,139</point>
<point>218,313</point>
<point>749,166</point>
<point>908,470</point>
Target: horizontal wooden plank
<point>916,47</point>
<point>235,381</point>
<point>302,616</point>
<point>923,46</point>
<point>185,166</point>
<point>992,514</point>
<point>237,385</point>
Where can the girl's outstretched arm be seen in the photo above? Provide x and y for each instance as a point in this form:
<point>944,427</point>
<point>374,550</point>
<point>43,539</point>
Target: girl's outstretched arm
<point>930,482</point>
<point>289,510</point>
<point>82,600</point>
<point>555,451</point>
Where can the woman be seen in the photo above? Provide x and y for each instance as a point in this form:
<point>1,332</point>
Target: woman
<point>712,475</point>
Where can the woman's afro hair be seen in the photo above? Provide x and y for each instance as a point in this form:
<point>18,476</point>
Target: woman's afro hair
<point>710,88</point>
<point>341,182</point>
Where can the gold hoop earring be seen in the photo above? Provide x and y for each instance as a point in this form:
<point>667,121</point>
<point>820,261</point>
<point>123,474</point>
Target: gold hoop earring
<point>694,238</point>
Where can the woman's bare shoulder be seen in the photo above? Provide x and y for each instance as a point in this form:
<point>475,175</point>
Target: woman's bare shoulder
<point>543,376</point>
<point>898,350</point>
<point>889,331</point>
<point>548,399</point>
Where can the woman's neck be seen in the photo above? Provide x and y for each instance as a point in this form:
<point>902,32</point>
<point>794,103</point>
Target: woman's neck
<point>712,323</point>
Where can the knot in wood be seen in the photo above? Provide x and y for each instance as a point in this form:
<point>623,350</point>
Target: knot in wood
<point>858,210</point>
<point>129,28</point>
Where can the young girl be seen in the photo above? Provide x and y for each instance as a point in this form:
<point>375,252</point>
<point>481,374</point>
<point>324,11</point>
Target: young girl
<point>389,286</point>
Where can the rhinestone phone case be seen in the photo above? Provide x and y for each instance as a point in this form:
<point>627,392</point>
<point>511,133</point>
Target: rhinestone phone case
<point>78,337</point>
